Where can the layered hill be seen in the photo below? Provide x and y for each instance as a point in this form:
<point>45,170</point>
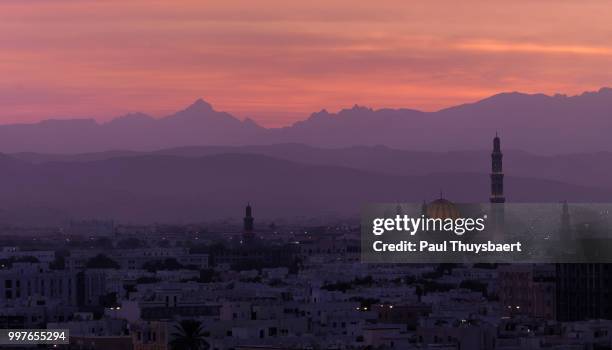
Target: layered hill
<point>535,123</point>
<point>168,188</point>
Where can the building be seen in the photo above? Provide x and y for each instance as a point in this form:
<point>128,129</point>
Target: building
<point>497,198</point>
<point>43,256</point>
<point>584,291</point>
<point>150,335</point>
<point>565,231</point>
<point>248,220</point>
<point>528,290</point>
<point>133,259</point>
<point>442,208</point>
<point>25,281</point>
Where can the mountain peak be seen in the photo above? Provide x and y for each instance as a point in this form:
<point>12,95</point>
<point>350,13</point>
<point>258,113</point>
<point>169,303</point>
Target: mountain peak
<point>355,110</point>
<point>200,106</point>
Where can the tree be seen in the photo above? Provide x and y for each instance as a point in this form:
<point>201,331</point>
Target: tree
<point>188,335</point>
<point>104,243</point>
<point>109,300</point>
<point>60,259</point>
<point>101,261</point>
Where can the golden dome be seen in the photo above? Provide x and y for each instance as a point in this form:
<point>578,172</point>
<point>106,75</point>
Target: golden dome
<point>442,209</point>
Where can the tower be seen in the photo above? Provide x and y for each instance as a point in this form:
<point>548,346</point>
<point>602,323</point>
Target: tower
<point>566,225</point>
<point>497,198</point>
<point>398,210</point>
<point>424,209</point>
<point>248,219</point>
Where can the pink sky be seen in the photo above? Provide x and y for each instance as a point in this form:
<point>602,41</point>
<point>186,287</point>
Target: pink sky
<point>278,61</point>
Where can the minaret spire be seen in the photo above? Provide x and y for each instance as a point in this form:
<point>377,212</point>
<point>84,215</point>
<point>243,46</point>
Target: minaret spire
<point>566,225</point>
<point>497,197</point>
<point>424,208</point>
<point>497,173</point>
<point>248,219</point>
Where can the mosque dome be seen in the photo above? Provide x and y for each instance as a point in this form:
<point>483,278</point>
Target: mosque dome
<point>442,209</point>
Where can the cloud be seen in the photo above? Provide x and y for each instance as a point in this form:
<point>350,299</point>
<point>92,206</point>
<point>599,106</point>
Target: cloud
<point>278,61</point>
<point>526,47</point>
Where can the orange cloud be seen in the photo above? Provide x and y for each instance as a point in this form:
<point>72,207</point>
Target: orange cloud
<point>493,46</point>
<point>277,61</point>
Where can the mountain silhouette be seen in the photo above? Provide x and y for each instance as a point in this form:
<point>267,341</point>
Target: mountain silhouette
<point>568,168</point>
<point>197,124</point>
<point>535,123</point>
<point>147,188</point>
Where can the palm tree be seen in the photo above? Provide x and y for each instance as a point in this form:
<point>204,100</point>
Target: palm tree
<point>188,335</point>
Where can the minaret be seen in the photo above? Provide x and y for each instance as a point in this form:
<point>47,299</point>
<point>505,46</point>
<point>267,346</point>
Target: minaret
<point>424,209</point>
<point>497,198</point>
<point>566,225</point>
<point>248,219</point>
<point>398,210</point>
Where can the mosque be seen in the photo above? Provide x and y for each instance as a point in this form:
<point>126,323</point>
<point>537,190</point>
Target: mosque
<point>443,208</point>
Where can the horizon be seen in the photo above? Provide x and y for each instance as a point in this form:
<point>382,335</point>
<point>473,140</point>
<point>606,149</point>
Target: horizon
<point>276,62</point>
<point>101,121</point>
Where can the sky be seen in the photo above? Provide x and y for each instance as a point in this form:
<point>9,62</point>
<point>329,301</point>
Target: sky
<point>278,61</point>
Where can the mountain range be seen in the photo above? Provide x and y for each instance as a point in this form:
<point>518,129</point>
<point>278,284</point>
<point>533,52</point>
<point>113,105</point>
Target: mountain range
<point>284,181</point>
<point>200,164</point>
<point>585,169</point>
<point>535,123</point>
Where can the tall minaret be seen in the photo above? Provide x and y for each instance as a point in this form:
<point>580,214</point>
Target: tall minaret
<point>248,219</point>
<point>497,198</point>
<point>566,225</point>
<point>424,209</point>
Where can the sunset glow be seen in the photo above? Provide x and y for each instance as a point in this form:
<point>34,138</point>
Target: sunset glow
<point>278,61</point>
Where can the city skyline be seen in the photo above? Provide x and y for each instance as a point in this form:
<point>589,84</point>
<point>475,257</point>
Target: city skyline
<point>265,175</point>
